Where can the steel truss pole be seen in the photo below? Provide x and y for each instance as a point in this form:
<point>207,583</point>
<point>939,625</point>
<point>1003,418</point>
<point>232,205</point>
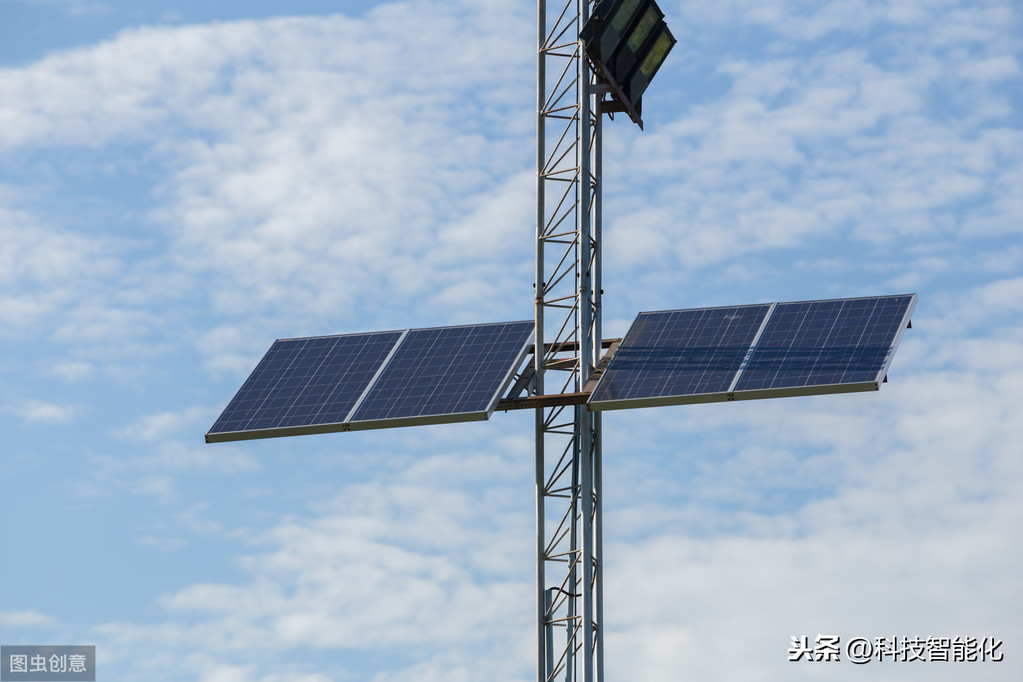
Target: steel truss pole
<point>568,342</point>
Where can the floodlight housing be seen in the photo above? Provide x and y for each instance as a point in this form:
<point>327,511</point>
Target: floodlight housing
<point>627,41</point>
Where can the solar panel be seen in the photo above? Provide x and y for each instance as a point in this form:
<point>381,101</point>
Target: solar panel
<point>758,351</point>
<point>835,346</point>
<point>375,380</point>
<point>306,385</point>
<point>445,375</point>
<point>679,356</point>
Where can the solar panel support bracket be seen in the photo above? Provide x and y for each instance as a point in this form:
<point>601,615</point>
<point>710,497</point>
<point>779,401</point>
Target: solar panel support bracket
<point>525,382</point>
<point>553,400</point>
<point>571,346</point>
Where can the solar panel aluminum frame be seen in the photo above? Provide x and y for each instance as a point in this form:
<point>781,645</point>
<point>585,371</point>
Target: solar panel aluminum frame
<point>830,389</point>
<point>446,418</point>
<point>658,401</point>
<point>277,432</point>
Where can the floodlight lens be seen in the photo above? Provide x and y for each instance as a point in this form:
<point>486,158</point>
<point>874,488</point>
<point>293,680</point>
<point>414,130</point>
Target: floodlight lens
<point>624,15</point>
<point>658,53</point>
<point>643,28</point>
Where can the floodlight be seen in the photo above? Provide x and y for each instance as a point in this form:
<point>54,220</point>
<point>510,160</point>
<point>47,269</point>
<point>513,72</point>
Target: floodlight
<point>627,41</point>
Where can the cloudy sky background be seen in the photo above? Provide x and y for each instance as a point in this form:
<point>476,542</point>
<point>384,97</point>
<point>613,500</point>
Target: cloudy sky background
<point>180,184</point>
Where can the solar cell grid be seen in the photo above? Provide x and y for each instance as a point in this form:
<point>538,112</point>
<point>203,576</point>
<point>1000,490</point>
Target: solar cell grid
<point>758,351</point>
<point>844,342</point>
<point>305,382</point>
<point>446,371</point>
<point>376,380</point>
<point>672,354</point>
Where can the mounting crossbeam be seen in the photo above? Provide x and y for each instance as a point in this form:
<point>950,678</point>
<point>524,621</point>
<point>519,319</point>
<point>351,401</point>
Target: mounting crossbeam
<point>535,401</point>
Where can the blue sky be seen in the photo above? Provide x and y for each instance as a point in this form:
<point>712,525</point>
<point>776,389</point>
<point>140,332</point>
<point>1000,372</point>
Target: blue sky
<point>182,183</point>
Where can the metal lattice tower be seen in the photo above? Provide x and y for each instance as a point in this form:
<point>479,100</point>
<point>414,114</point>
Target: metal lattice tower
<point>569,600</point>
<point>376,380</point>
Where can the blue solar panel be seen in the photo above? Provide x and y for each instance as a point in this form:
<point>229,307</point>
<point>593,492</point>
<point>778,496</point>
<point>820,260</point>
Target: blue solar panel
<point>679,356</point>
<point>375,380</point>
<point>304,385</point>
<point>445,374</point>
<point>758,351</point>
<point>814,344</point>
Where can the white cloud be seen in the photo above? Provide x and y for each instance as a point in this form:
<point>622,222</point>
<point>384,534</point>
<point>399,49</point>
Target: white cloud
<point>774,519</point>
<point>415,560</point>
<point>321,174</point>
<point>75,8</point>
<point>994,69</point>
<point>41,411</point>
<point>160,464</point>
<point>227,673</point>
<point>161,544</point>
<point>878,155</point>
<point>319,168</point>
<point>43,271</point>
<point>31,252</point>
<point>24,619</point>
<point>153,427</point>
<point>315,677</point>
<point>875,515</point>
<point>73,371</point>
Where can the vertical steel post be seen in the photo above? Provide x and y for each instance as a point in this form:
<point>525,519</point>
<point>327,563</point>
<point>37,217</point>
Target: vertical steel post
<point>568,342</point>
<point>542,603</point>
<point>583,417</point>
<point>598,291</point>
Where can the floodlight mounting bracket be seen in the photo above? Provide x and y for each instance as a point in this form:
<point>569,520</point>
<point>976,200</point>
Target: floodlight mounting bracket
<point>612,107</point>
<point>620,101</point>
